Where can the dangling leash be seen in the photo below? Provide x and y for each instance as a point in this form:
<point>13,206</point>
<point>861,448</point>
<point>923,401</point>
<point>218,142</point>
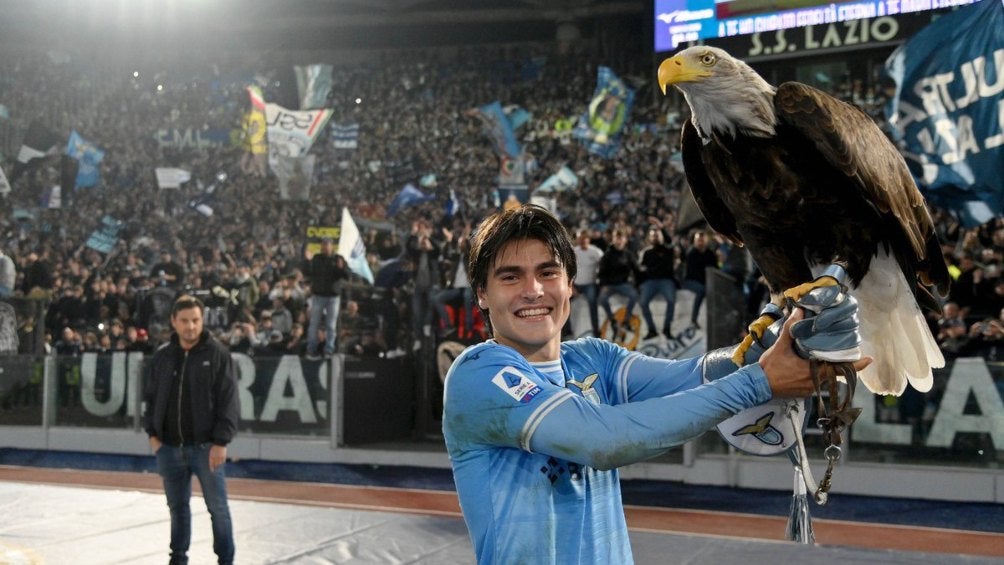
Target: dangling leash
<point>835,415</point>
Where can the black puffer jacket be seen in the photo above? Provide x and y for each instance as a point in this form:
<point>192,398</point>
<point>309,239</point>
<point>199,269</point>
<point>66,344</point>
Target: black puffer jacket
<point>212,384</point>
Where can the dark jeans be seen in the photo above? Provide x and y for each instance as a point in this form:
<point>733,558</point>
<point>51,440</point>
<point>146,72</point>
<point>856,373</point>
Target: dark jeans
<point>697,287</point>
<point>590,293</point>
<point>176,465</point>
<point>466,297</point>
<point>658,287</point>
<point>628,291</point>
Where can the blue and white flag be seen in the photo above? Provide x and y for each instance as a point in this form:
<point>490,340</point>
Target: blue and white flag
<point>351,247</point>
<point>600,126</point>
<point>497,126</point>
<point>564,179</point>
<point>88,157</point>
<point>345,136</point>
<point>106,236</point>
<point>948,110</point>
<point>517,115</point>
<point>409,196</point>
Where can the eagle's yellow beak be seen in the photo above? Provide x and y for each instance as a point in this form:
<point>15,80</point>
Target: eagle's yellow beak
<point>678,69</point>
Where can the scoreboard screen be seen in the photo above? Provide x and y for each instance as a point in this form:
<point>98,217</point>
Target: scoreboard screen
<point>681,21</point>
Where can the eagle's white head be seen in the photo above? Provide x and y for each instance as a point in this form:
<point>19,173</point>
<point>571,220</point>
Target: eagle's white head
<point>725,95</point>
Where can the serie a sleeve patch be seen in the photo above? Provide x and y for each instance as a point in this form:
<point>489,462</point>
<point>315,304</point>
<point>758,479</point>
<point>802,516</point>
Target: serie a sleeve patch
<point>516,384</point>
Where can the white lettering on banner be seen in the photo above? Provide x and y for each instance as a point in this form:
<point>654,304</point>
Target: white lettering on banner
<point>88,376</point>
<point>289,372</point>
<point>182,139</point>
<point>832,36</point>
<point>322,377</point>
<point>128,367</point>
<point>134,369</point>
<point>969,377</point>
<point>933,91</point>
<point>997,140</point>
<point>867,428</point>
<point>246,375</point>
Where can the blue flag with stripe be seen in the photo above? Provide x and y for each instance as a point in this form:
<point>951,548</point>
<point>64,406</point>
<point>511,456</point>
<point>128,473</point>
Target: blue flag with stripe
<point>88,156</point>
<point>948,110</point>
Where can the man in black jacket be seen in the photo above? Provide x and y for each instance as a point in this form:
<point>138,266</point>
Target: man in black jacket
<point>325,271</point>
<point>192,409</point>
<point>657,266</point>
<point>617,268</point>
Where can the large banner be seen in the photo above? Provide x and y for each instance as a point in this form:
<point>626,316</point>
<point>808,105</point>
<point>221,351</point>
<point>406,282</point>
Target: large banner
<point>600,127</point>
<point>286,395</point>
<point>291,133</point>
<point>290,395</point>
<point>948,110</point>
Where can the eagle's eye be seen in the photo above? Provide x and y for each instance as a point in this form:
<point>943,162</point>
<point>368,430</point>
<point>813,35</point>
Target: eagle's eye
<point>708,59</point>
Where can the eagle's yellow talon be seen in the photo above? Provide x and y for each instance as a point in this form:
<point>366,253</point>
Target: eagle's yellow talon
<point>740,353</point>
<point>795,293</point>
<point>756,331</point>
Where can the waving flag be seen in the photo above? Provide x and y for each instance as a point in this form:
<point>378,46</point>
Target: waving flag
<point>88,157</point>
<point>106,236</point>
<point>497,126</point>
<point>291,133</point>
<point>948,110</point>
<point>409,196</point>
<point>564,179</point>
<point>313,82</point>
<point>600,127</point>
<point>350,246</point>
<point>39,142</point>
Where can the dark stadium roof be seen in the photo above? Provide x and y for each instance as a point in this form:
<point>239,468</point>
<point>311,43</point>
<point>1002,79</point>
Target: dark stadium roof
<point>288,24</point>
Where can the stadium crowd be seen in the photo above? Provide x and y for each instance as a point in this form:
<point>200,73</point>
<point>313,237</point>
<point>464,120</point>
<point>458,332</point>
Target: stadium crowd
<point>415,125</point>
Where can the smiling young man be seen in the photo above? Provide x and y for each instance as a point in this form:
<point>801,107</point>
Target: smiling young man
<point>536,427</point>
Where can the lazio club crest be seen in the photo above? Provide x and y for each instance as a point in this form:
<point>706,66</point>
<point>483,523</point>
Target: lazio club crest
<point>767,429</point>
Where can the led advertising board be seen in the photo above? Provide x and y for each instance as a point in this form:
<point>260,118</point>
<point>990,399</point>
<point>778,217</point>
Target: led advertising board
<point>681,21</point>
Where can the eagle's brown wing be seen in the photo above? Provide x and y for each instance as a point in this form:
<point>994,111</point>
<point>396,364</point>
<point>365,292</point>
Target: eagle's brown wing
<point>854,145</point>
<point>715,212</point>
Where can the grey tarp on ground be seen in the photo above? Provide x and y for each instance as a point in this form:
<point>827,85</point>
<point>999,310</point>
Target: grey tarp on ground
<point>57,525</point>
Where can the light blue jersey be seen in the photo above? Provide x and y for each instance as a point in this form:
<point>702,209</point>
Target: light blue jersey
<point>535,446</point>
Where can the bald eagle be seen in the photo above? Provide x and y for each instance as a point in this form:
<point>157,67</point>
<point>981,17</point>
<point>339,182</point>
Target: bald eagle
<point>804,181</point>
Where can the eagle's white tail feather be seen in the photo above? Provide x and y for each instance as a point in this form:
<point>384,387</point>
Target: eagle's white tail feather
<point>894,331</point>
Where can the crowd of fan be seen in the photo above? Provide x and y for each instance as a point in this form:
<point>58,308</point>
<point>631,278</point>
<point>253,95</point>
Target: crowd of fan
<point>245,259</point>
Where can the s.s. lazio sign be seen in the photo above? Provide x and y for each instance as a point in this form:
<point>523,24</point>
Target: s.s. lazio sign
<point>948,110</point>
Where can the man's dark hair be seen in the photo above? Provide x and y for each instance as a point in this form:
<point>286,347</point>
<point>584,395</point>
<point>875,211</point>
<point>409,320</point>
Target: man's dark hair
<point>184,302</point>
<point>526,222</point>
